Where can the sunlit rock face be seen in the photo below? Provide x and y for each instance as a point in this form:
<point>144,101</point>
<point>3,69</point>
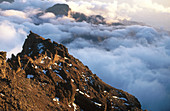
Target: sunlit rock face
<point>44,76</point>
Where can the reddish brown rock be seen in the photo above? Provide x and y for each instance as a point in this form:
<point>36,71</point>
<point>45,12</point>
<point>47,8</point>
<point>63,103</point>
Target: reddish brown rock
<point>45,77</point>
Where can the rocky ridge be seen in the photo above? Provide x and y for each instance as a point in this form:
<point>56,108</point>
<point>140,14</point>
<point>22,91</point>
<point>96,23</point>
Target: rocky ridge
<point>45,77</point>
<point>65,10</point>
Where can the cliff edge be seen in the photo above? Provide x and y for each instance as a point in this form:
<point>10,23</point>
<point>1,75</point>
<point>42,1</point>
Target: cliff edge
<point>45,77</point>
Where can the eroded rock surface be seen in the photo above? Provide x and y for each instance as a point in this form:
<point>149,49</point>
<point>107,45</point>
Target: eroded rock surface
<point>45,77</point>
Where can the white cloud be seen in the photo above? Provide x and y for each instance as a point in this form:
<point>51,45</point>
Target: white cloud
<point>5,27</point>
<point>14,13</point>
<point>80,30</point>
<point>14,50</point>
<point>79,43</point>
<point>147,11</point>
<point>149,4</point>
<point>12,35</point>
<point>107,10</point>
<point>47,16</point>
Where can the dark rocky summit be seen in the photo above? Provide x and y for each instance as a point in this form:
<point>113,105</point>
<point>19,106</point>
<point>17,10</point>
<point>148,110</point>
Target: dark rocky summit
<point>45,77</point>
<point>59,9</point>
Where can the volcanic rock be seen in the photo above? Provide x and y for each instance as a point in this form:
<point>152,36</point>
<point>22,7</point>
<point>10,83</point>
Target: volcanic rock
<point>59,9</point>
<point>45,77</point>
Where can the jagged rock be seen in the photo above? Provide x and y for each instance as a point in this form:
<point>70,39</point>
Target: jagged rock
<point>79,17</point>
<point>94,19</point>
<point>59,9</point>
<point>45,77</point>
<point>3,64</point>
<point>3,55</point>
<point>10,1</point>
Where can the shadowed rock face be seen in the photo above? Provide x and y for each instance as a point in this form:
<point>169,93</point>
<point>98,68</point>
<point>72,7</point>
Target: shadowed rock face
<point>59,9</point>
<point>6,1</point>
<point>94,19</point>
<point>45,77</point>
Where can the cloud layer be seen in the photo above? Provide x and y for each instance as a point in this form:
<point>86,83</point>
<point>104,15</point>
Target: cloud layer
<point>134,58</point>
<point>151,12</point>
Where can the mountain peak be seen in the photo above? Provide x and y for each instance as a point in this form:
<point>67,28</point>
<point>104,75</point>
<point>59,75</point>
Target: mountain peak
<point>44,76</point>
<point>59,9</point>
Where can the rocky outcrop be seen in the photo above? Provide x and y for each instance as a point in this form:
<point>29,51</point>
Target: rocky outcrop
<point>45,77</point>
<point>59,9</point>
<point>94,19</point>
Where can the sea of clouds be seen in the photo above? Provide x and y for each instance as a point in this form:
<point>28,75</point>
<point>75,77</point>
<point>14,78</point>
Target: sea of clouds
<point>134,58</point>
